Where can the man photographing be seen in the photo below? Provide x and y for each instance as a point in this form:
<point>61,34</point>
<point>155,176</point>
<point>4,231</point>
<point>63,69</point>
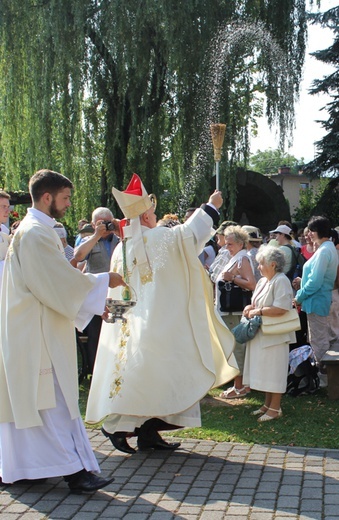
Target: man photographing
<point>96,250</point>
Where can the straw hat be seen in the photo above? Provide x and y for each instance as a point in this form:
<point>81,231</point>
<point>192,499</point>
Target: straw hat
<point>254,233</point>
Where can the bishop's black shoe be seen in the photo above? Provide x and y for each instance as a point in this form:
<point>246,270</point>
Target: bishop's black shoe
<point>118,439</point>
<point>150,440</point>
<point>86,482</point>
<point>160,445</point>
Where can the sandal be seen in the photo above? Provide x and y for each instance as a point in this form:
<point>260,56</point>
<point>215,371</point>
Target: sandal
<point>260,411</point>
<point>266,417</point>
<point>234,393</point>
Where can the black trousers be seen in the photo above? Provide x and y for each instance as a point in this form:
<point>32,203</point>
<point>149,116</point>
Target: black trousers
<point>93,332</point>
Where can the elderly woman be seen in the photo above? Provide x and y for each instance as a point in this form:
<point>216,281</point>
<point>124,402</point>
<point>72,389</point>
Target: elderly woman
<point>267,357</point>
<point>316,285</point>
<point>238,270</point>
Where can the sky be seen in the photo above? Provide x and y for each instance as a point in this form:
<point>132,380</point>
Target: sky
<point>307,110</point>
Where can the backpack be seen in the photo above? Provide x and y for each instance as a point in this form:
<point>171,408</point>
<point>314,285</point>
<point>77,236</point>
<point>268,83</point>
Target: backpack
<point>298,261</point>
<point>304,378</point>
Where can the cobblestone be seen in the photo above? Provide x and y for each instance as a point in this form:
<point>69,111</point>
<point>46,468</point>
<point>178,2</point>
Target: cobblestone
<point>203,480</point>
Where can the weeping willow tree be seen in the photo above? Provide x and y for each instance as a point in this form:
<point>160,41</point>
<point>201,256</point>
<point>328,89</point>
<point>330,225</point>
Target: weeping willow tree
<point>99,89</point>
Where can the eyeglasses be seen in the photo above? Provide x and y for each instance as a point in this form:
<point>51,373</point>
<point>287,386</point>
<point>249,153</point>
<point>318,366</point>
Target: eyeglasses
<point>4,206</point>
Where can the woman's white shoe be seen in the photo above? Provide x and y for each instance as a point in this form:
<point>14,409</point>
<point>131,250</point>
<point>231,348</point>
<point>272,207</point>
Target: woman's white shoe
<point>260,411</point>
<point>267,417</point>
<point>235,393</point>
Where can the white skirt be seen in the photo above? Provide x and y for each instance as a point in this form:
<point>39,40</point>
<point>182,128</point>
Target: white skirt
<point>266,368</point>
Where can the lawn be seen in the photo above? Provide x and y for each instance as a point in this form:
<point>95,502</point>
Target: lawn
<point>308,421</point>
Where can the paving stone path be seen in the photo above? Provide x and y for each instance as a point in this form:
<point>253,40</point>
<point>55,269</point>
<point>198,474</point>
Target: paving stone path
<point>203,480</point>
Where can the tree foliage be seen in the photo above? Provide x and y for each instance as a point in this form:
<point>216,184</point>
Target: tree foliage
<point>327,156</point>
<point>328,203</point>
<point>98,89</point>
<point>269,161</point>
<point>309,200</point>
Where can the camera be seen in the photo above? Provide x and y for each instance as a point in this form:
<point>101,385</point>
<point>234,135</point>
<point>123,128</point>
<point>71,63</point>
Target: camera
<point>109,225</point>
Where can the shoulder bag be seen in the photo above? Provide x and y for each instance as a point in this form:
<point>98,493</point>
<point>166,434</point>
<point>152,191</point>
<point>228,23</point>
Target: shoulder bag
<point>232,297</point>
<point>288,322</point>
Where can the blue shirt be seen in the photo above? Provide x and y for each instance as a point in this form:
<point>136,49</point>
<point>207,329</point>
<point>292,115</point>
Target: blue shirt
<point>319,274</point>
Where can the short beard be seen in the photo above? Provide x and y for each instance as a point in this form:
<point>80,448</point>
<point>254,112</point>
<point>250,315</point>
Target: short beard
<point>55,213</point>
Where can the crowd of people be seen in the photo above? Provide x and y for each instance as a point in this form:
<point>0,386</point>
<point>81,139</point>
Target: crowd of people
<point>311,268</point>
<point>192,282</point>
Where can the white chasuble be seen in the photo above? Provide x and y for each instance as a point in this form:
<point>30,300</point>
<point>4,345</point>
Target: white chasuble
<point>173,348</point>
<point>42,294</point>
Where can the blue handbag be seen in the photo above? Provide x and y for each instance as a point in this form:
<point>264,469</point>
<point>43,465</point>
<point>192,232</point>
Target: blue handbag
<point>246,329</point>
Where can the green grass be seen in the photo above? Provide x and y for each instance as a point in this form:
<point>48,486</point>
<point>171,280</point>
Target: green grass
<point>308,421</point>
